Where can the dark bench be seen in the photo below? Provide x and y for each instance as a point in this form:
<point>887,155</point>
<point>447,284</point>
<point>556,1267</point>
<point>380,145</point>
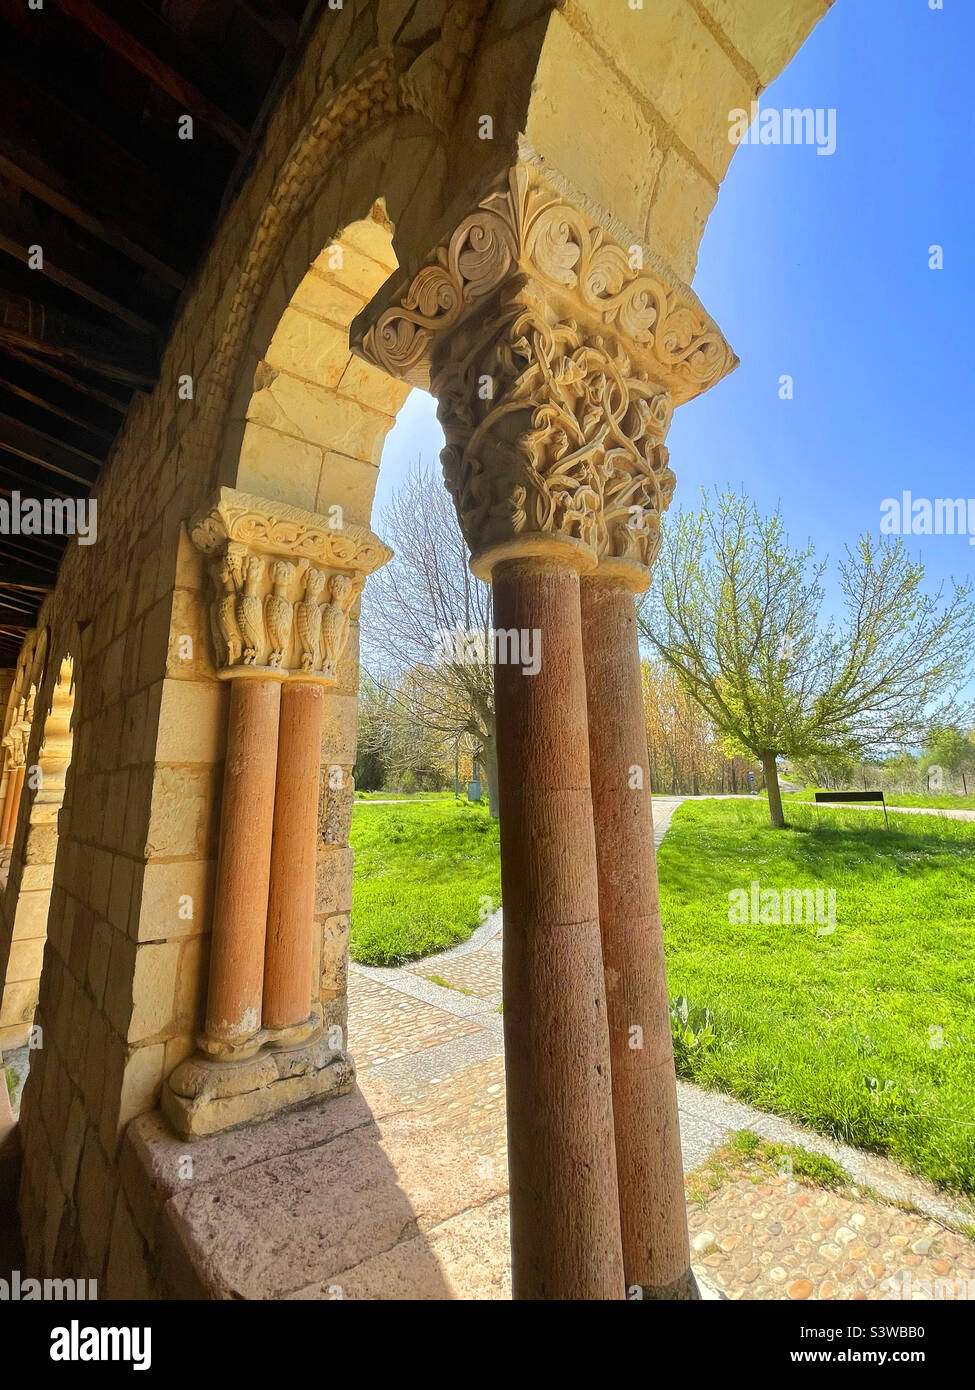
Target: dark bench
<point>848,797</point>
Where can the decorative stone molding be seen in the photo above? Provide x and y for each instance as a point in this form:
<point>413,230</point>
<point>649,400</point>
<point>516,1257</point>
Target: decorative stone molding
<point>370,96</point>
<point>557,361</point>
<point>285,582</point>
<point>434,82</point>
<point>527,229</point>
<point>14,743</point>
<point>391,82</point>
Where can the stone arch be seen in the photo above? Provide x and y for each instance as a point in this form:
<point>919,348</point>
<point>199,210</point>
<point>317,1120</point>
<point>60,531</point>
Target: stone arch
<point>383,105</point>
<point>318,415</point>
<point>27,897</point>
<point>290,416</point>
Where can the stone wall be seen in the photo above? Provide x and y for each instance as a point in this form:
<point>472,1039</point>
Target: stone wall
<point>374,150</point>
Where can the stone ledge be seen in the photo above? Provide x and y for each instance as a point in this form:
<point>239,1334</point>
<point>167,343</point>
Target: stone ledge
<point>319,1196</point>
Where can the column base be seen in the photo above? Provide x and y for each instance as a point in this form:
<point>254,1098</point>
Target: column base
<point>204,1096</point>
<point>687,1289</point>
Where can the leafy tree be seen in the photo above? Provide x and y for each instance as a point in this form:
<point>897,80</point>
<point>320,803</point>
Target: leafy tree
<point>685,749</point>
<point>737,612</point>
<point>951,750</point>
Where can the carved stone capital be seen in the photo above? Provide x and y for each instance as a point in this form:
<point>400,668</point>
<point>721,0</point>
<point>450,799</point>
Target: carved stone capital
<point>557,358</point>
<point>284,585</point>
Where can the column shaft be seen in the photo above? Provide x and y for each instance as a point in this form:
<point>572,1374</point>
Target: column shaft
<point>7,805</point>
<point>652,1206</point>
<point>15,787</point>
<point>243,869</point>
<point>565,1230</point>
<point>291,907</point>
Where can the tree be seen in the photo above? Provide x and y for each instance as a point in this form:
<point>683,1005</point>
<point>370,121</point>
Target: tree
<point>736,611</point>
<point>396,748</point>
<point>685,749</point>
<point>425,594</point>
<point>950,750</point>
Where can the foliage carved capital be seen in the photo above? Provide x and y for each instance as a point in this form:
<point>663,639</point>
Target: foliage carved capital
<point>557,360</point>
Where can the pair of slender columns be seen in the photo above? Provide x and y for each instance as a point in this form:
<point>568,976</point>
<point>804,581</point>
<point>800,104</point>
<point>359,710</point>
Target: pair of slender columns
<point>560,476</point>
<point>11,805</point>
<point>263,920</point>
<point>597,1204</point>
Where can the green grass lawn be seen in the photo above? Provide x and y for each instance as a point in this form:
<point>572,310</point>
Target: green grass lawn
<point>423,874</point>
<point>803,1019</point>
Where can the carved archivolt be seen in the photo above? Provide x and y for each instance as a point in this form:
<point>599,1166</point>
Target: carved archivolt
<point>284,583</point>
<point>433,85</point>
<point>371,95</point>
<point>557,361</point>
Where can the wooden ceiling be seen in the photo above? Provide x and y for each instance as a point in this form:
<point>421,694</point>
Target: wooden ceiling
<point>93,170</point>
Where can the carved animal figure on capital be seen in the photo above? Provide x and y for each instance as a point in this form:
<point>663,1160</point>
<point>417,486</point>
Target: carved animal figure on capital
<point>308,618</point>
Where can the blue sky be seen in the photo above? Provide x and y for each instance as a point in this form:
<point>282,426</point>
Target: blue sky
<point>817,267</point>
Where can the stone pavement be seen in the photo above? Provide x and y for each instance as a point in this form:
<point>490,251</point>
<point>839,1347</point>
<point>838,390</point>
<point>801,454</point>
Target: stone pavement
<point>430,1035</point>
<point>766,1236</point>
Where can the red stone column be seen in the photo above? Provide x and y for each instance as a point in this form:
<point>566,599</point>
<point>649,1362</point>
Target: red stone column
<point>11,809</point>
<point>291,909</point>
<point>234,1000</point>
<point>7,806</point>
<point>656,1254</point>
<point>565,1226</point>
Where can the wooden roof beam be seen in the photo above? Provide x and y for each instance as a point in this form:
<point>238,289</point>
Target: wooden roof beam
<point>48,452</point>
<point>45,184</point>
<point>74,383</point>
<point>127,47</point>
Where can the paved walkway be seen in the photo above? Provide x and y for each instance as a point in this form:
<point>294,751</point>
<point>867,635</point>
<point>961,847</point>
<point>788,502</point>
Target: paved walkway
<point>430,1036</point>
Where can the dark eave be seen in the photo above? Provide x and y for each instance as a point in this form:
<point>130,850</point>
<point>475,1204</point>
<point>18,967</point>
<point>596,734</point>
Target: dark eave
<point>93,170</point>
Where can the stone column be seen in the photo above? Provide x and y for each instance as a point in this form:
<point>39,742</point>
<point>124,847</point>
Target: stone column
<point>564,1214</point>
<point>11,807</point>
<point>16,745</point>
<point>656,1253</point>
<point>284,585</point>
<point>556,353</point>
<point>235,992</point>
<point>291,911</point>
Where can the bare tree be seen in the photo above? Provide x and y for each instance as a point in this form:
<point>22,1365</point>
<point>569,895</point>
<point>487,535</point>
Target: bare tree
<point>425,593</point>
